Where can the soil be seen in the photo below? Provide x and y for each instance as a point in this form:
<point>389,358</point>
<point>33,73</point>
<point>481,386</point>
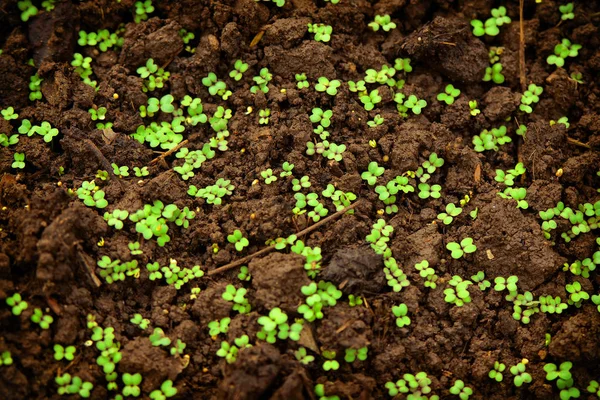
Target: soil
<point>50,242</point>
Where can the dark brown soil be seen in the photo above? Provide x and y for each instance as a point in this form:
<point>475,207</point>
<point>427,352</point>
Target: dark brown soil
<point>50,242</point>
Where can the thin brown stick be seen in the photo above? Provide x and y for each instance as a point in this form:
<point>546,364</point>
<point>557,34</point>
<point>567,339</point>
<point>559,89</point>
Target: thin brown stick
<point>578,143</point>
<point>88,267</point>
<point>266,250</point>
<point>523,78</point>
<point>169,152</point>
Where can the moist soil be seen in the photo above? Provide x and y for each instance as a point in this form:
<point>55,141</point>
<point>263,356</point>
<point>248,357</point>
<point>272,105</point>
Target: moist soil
<point>50,242</point>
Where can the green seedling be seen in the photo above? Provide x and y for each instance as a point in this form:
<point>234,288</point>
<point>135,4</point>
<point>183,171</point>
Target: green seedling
<point>451,212</point>
<point>417,385</point>
<point>17,304</point>
<point>594,388</point>
<point>496,373</point>
<point>517,194</point>
<point>74,385</point>
<point>83,68</point>
<point>371,99</point>
<point>330,363</point>
<point>139,321</point>
<point>28,10</point>
<point>217,327</point>
<point>377,120</point>
<point>275,326</point>
<point>458,294</point>
<point>508,177</point>
<point>141,172</point>
<point>142,9</point>
<point>509,284</point>
<point>42,320</point>
<point>494,74</point>
<point>5,358</point>
<point>576,294</point>
<point>403,64</point>
<point>322,32</point>
<point>230,352</point>
<point>238,70</point>
<point>335,152</point>
<point>268,176</point>
<point>166,390</point>
<point>35,83</point>
<point>355,87</point>
<point>564,379</point>
<point>297,185</point>
<point>382,21</point>
<point>287,169</point>
<point>178,349</point>
<point>561,51</point>
<point>237,296</point>
<point>353,354</point>
<point>103,39</point>
<point>577,77</point>
<point>473,107</point>
<point>154,77</point>
<point>530,96</point>
<point>415,104</point>
<point>552,305</point>
<point>325,85</point>
<point>566,11</point>
<point>490,27</point>
<point>426,191</point>
<point>480,280</point>
<point>427,273</point>
<point>354,301</point>
<point>449,95</point>
<point>264,116</point>
<point>400,312</point>
<point>98,114</point>
<point>158,338</point>
<point>302,356</point>
<point>132,384</point>
<point>459,389</point>
<point>244,274</point>
<point>262,81</point>
<point>60,352</point>
<point>561,120</point>
<point>216,86</point>
<point>318,296</point>
<point>19,162</point>
<point>373,171</point>
<point>302,83</point>
<point>521,376</point>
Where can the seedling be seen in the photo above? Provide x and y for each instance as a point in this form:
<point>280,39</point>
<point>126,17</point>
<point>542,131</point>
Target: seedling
<point>230,352</point>
<point>494,74</point>
<point>517,194</point>
<point>459,389</point>
<point>262,81</point>
<point>371,99</point>
<point>521,376</point>
<point>153,76</point>
<point>373,171</point>
<point>264,116</point>
<point>353,354</point>
<point>74,385</point>
<point>594,388</point>
<point>287,169</point>
<point>141,172</point>
<point>83,68</point>
<point>217,327</point>
<point>596,301</point>
<point>237,296</point>
<point>98,114</point>
<point>5,358</point>
<point>238,70</point>
<point>142,9</point>
<point>496,373</point>
<point>508,177</point>
<point>490,27</point>
<point>551,305</point>
<point>417,385</point>
<point>576,294</point>
<point>244,274</point>
<point>383,76</point>
<point>403,64</point>
<point>35,83</point>
<point>510,284</point>
<point>302,83</point>
<point>318,296</point>
<point>60,352</point>
<point>322,32</point>
<point>382,21</point>
<point>427,273</point>
<point>216,86</point>
<point>449,95</point>
<point>178,349</point>
<point>166,390</point>
<point>357,86</point>
<point>530,96</point>
<point>451,212</point>
<point>567,11</point>
<point>28,10</point>
<point>561,51</point>
<point>480,280</point>
<point>131,382</point>
<point>297,185</point>
<point>474,110</point>
<point>524,307</point>
<point>302,356</point>
<point>426,191</point>
<point>275,326</point>
<point>19,161</point>
<point>401,311</point>
<point>413,103</point>
<point>42,320</point>
<point>325,85</point>
<point>354,301</point>
<point>140,321</point>
<point>577,77</point>
<point>458,294</point>
<point>17,303</point>
<point>158,338</point>
<point>377,120</point>
<point>331,363</point>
